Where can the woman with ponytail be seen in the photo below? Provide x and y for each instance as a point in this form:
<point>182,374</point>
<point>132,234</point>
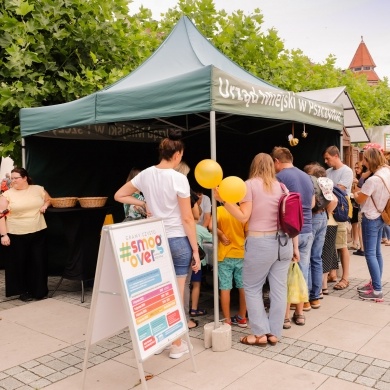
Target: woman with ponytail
<point>167,193</point>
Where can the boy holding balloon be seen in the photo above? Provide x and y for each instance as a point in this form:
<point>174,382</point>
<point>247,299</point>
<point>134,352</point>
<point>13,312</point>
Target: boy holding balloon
<point>231,237</point>
<point>231,240</point>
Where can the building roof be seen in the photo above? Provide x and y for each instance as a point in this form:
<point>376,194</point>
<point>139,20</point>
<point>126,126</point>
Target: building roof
<point>362,57</point>
<point>363,63</point>
<point>371,75</point>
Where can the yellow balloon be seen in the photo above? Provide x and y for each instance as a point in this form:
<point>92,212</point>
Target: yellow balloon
<point>232,189</point>
<point>208,173</point>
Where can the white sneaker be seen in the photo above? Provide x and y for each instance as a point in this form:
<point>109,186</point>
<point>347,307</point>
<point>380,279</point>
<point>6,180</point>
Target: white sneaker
<point>167,348</point>
<point>178,351</point>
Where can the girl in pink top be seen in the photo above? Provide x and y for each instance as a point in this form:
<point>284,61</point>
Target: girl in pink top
<point>261,261</point>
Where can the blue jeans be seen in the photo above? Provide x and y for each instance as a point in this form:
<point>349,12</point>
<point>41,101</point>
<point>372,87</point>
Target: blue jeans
<point>372,235</point>
<point>305,241</point>
<point>261,262</point>
<point>181,252</point>
<point>319,222</point>
<point>386,232</point>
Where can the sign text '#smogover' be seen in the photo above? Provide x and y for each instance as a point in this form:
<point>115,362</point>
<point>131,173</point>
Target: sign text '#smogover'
<point>141,251</point>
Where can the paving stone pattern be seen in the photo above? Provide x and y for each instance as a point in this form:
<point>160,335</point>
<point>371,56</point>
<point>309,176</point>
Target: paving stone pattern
<point>51,368</point>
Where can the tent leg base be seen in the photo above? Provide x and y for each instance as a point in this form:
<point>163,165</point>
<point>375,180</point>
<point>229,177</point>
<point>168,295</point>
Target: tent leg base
<point>59,283</point>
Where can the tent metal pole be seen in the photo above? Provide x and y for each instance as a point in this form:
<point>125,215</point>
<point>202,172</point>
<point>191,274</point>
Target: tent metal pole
<point>23,154</point>
<point>341,145</point>
<point>213,152</point>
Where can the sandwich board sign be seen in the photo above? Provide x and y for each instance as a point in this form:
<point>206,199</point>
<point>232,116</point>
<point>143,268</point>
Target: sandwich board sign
<point>135,287</point>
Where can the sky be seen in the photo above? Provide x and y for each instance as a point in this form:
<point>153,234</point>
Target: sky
<point>317,27</point>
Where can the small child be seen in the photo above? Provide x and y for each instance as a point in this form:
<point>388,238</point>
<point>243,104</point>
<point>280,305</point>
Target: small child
<point>231,241</point>
<point>202,235</point>
<point>133,212</point>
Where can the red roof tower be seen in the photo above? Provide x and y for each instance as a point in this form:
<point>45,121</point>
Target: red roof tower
<point>362,62</point>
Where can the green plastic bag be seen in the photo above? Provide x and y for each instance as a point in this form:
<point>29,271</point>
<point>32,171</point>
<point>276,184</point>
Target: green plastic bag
<point>296,285</point>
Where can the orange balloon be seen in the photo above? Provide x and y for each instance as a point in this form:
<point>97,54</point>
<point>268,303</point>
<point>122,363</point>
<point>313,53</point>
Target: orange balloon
<point>208,173</point>
<point>232,189</point>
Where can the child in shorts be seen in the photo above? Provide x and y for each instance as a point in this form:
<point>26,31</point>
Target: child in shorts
<point>231,241</point>
<point>202,235</point>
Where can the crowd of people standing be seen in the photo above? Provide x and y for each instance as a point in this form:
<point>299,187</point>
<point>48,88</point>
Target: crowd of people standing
<point>321,242</point>
<point>250,249</point>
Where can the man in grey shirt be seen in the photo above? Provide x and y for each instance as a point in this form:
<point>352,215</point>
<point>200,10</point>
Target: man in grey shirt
<point>342,177</point>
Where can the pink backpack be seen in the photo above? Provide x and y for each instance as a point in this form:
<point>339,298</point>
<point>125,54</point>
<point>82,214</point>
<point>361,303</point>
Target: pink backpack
<point>290,218</point>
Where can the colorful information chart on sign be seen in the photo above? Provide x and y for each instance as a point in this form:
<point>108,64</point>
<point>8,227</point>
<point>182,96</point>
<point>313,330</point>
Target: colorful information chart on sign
<point>150,283</point>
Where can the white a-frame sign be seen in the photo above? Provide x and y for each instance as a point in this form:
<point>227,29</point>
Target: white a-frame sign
<point>135,287</point>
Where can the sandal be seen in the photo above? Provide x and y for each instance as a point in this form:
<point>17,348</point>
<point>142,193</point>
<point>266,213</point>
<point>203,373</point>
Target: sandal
<point>196,322</point>
<point>287,323</point>
<point>273,340</point>
<point>331,280</point>
<point>260,341</point>
<point>198,312</point>
<point>341,285</point>
<point>299,319</point>
<point>325,291</point>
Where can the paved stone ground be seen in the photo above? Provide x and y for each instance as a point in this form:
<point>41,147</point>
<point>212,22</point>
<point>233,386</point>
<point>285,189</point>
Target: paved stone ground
<point>41,372</point>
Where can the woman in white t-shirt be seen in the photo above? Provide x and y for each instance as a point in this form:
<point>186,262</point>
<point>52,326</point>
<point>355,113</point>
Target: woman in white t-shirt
<point>167,193</point>
<point>373,197</point>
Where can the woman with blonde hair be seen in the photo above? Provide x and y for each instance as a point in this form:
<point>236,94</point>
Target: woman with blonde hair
<point>373,198</point>
<point>264,256</point>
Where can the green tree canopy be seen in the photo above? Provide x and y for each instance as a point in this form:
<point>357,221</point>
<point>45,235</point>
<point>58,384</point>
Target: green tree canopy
<point>55,51</point>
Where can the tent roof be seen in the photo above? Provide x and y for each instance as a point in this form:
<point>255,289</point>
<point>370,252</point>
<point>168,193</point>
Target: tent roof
<point>183,51</point>
<point>352,121</point>
<point>183,80</point>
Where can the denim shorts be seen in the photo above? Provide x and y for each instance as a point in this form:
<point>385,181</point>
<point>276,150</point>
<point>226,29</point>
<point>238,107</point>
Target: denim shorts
<point>230,269</point>
<point>181,252</point>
